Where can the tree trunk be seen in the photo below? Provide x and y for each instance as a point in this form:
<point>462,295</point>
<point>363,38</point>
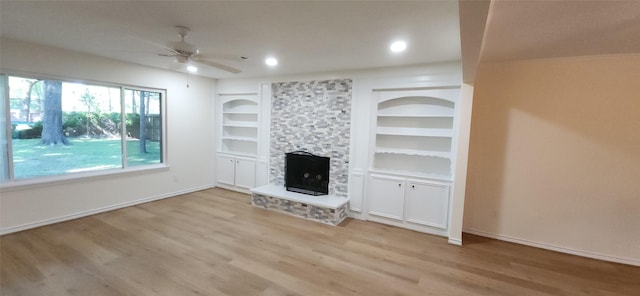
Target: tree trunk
<point>143,122</point>
<point>25,112</point>
<point>52,121</point>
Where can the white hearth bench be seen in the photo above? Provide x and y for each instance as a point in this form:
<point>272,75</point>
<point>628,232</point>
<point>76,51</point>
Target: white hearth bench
<point>329,209</point>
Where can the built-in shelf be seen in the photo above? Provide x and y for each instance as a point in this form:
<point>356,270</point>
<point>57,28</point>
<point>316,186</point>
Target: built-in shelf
<point>240,106</point>
<point>409,131</point>
<point>247,155</point>
<point>420,143</point>
<point>414,105</point>
<point>239,125</point>
<point>414,135</point>
<point>246,139</point>
<point>415,115</point>
<point>411,174</point>
<point>418,165</point>
<point>240,112</point>
<point>414,152</point>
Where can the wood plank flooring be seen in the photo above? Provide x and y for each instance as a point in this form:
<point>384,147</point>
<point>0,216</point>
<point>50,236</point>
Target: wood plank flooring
<point>213,242</point>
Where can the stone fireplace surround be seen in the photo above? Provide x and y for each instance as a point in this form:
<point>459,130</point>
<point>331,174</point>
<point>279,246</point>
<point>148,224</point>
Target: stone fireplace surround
<point>328,209</point>
<point>312,116</point>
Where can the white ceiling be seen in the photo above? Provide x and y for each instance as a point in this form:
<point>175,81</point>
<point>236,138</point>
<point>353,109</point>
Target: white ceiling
<point>327,36</point>
<point>525,29</point>
<point>306,37</point>
<point>511,30</point>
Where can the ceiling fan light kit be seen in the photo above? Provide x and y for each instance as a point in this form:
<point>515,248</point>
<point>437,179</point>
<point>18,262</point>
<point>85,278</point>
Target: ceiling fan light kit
<point>192,69</point>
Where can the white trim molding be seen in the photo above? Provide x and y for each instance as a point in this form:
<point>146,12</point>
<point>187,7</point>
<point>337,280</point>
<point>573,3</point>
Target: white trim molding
<point>511,239</point>
<point>356,190</point>
<point>455,241</point>
<point>68,217</point>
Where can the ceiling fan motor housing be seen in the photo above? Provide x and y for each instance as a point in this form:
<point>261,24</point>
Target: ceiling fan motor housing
<point>184,52</point>
<point>184,49</point>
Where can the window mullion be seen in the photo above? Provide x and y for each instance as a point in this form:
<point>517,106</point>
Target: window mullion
<point>8,170</point>
<point>123,127</point>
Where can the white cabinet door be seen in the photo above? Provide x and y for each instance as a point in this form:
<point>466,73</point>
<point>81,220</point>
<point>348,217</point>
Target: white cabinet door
<point>427,204</point>
<point>226,169</point>
<point>386,197</point>
<point>245,173</point>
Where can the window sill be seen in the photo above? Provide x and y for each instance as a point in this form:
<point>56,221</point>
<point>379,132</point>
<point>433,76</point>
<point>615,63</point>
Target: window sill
<point>78,177</point>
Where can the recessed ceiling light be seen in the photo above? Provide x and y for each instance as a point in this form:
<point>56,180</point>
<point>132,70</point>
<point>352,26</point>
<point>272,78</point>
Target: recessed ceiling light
<point>398,46</point>
<point>271,62</point>
<point>192,68</point>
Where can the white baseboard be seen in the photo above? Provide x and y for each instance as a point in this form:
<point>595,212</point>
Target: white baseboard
<point>22,227</point>
<point>455,241</point>
<point>357,215</point>
<point>629,261</point>
<point>233,188</point>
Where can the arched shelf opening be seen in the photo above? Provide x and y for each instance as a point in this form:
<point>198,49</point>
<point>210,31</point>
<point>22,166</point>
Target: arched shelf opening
<point>240,127</point>
<point>414,136</point>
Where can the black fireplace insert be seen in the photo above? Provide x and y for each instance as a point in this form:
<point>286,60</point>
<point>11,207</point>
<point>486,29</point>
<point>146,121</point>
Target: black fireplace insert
<point>306,173</point>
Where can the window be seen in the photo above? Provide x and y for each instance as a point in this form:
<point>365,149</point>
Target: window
<point>59,128</point>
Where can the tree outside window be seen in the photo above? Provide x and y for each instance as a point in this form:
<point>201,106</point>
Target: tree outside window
<point>62,128</point>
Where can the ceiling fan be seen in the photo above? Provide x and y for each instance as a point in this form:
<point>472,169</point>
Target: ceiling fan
<point>185,52</point>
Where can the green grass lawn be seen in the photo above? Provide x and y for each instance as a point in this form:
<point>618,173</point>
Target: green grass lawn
<point>30,159</point>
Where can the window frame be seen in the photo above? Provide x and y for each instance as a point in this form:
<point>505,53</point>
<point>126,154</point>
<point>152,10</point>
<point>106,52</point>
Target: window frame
<point>12,184</point>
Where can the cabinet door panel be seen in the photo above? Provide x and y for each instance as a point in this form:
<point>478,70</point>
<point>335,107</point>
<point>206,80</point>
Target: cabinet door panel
<point>428,204</point>
<point>386,197</point>
<point>226,169</point>
<point>245,173</point>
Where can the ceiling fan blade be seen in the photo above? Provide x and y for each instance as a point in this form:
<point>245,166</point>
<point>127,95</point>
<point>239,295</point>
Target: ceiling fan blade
<point>172,51</point>
<point>218,65</point>
<point>167,55</point>
<point>155,44</point>
<point>219,56</point>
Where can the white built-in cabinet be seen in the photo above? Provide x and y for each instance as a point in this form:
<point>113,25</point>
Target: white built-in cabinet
<point>386,197</point>
<point>412,153</point>
<point>409,202</point>
<point>427,203</point>
<point>414,132</point>
<point>236,171</point>
<point>240,125</point>
<point>238,140</point>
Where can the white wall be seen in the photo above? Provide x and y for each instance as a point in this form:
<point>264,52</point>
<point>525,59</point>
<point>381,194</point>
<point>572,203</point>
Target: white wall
<point>462,157</point>
<point>363,82</point>
<point>190,142</point>
<point>554,156</point>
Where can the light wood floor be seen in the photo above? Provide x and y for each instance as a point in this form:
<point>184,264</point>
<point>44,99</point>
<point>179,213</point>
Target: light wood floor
<point>214,242</point>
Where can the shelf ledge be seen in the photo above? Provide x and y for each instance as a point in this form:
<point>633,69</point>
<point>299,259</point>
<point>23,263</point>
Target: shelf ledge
<point>241,112</point>
<point>415,115</point>
<point>418,132</point>
<point>240,124</point>
<point>438,154</point>
<point>412,174</point>
<point>246,139</point>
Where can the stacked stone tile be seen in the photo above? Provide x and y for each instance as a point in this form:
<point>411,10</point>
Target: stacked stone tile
<point>313,116</point>
<point>307,211</point>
